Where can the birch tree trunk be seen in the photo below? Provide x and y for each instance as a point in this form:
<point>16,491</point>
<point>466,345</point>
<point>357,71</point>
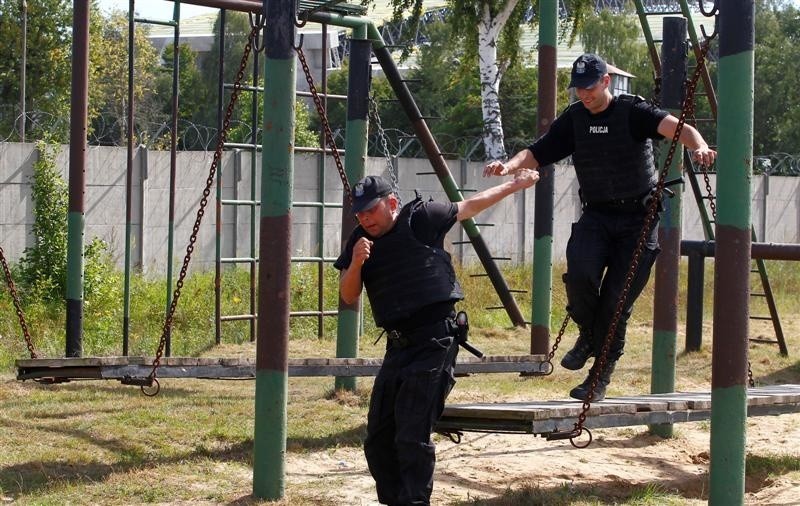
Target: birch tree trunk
<point>491,72</point>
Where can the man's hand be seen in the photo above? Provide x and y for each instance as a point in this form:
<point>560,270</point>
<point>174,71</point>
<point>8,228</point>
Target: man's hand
<point>526,177</point>
<point>704,155</point>
<point>361,252</point>
<point>495,168</point>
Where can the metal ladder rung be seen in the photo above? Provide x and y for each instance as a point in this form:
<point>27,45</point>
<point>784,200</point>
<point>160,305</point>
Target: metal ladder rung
<point>763,318</point>
<point>517,290</point>
<point>240,260</point>
<point>767,341</point>
<point>493,308</point>
<point>237,317</point>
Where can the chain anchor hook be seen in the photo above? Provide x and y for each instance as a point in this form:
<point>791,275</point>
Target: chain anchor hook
<point>299,46</point>
<point>299,22</point>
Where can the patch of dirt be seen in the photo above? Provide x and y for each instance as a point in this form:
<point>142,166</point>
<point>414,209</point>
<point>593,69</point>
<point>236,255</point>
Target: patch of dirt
<point>617,462</point>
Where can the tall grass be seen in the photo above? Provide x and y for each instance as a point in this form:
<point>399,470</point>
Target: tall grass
<point>193,324</point>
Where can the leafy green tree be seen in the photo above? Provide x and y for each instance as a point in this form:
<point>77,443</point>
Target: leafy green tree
<point>776,127</point>
<point>43,265</point>
<point>191,104</point>
<point>488,31</point>
<point>237,30</point>
<point>108,76</point>
<point>242,131</point>
<point>614,35</point>
<point>48,61</point>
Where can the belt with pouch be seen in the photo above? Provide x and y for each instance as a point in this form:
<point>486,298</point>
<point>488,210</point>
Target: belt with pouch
<point>403,338</point>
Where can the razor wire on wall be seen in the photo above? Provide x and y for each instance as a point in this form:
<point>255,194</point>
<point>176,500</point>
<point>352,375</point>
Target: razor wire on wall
<point>107,129</point>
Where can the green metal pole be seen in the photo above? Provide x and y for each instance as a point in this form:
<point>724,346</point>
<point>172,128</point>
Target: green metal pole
<point>126,290</point>
<point>355,156</point>
<point>173,164</point>
<point>277,173</point>
<point>545,189</point>
<point>79,114</point>
<point>648,35</point>
<point>732,265</point>
<point>665,307</point>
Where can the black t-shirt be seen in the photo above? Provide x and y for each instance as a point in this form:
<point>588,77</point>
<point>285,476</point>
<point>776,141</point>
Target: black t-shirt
<point>430,222</point>
<point>559,141</point>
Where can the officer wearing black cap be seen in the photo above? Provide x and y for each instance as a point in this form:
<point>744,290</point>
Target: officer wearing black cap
<point>397,255</point>
<point>610,141</point>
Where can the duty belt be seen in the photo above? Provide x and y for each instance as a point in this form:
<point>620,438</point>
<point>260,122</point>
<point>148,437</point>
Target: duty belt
<point>403,338</point>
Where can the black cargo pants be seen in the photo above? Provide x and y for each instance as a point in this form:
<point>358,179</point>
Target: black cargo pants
<point>599,254</point>
<point>407,398</point>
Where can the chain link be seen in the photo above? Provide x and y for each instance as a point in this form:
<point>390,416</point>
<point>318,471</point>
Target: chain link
<point>17,306</point>
<point>325,125</point>
<point>390,167</point>
<point>223,135</point>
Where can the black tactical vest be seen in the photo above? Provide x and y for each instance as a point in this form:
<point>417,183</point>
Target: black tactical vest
<point>609,162</point>
<point>403,275</point>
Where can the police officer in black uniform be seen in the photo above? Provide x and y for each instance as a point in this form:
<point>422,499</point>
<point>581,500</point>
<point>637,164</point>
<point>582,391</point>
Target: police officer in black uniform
<point>609,139</point>
<point>397,255</point>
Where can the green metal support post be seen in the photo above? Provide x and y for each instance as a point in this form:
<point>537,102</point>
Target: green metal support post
<point>173,164</point>
<point>545,188</point>
<point>126,290</point>
<point>732,265</point>
<point>79,111</point>
<point>665,307</point>
<point>355,156</point>
<point>277,173</point>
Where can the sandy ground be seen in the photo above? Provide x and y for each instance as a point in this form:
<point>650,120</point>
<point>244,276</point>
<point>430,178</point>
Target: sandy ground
<point>617,461</point>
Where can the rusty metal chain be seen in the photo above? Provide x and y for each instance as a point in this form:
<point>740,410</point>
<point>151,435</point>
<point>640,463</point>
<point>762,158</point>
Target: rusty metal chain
<point>17,306</point>
<point>552,353</point>
<point>325,125</point>
<point>223,135</point>
<point>652,211</point>
<point>373,112</point>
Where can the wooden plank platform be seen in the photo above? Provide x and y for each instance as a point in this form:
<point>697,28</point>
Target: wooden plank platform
<point>118,368</point>
<point>544,417</point>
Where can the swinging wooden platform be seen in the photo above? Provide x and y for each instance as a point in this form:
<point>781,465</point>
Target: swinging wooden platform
<point>545,417</point>
<point>124,368</point>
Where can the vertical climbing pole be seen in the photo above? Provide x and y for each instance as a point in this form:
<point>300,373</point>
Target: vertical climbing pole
<point>732,266</point>
<point>355,155</point>
<point>544,190</point>
<point>79,113</point>
<point>126,290</point>
<point>277,172</point>
<point>173,162</point>
<point>665,311</point>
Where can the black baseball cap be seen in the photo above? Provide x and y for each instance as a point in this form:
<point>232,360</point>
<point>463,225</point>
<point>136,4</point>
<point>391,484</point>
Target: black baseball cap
<point>368,191</point>
<point>587,70</point>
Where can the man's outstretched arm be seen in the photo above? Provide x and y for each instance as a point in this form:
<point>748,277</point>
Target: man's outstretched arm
<point>489,197</point>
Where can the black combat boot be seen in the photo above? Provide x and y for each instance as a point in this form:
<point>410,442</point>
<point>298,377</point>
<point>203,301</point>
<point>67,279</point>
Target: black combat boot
<point>581,392</point>
<point>576,358</point>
